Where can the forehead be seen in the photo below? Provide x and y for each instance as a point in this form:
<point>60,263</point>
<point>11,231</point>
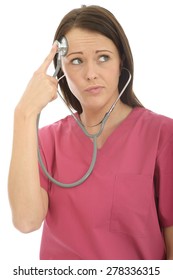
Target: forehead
<point>78,37</point>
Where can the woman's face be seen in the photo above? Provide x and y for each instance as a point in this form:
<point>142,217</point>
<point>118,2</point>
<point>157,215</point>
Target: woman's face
<point>92,69</point>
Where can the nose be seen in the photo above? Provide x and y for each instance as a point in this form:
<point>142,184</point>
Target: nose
<point>91,71</point>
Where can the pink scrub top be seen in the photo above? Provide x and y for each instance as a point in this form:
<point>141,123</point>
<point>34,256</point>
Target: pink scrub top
<point>120,210</point>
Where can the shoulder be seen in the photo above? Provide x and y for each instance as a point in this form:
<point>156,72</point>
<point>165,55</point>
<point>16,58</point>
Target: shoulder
<point>156,121</point>
<point>153,116</point>
<point>56,129</point>
<point>153,128</point>
<point>68,121</point>
<point>159,129</point>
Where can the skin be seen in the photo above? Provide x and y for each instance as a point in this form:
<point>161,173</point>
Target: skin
<point>92,69</point>
<point>92,60</point>
<point>29,202</point>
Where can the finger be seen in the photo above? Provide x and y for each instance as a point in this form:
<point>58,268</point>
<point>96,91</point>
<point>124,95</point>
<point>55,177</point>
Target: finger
<point>45,65</point>
<point>53,80</point>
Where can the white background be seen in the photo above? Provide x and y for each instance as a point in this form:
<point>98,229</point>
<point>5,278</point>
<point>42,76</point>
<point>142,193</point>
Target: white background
<point>26,33</point>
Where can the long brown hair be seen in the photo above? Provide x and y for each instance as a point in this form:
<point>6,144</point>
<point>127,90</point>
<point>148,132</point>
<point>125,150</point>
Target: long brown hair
<point>99,19</point>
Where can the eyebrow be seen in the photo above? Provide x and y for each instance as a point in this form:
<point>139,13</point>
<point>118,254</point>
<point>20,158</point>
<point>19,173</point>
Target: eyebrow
<point>98,51</point>
<point>74,53</point>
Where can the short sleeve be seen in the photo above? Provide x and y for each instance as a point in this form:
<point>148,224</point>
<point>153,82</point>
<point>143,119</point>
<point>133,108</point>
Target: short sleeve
<point>164,182</point>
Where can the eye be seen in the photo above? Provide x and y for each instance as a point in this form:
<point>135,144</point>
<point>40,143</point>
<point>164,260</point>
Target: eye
<point>76,61</point>
<point>103,58</point>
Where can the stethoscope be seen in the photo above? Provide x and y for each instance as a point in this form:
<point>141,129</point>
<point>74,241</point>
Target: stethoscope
<point>62,51</point>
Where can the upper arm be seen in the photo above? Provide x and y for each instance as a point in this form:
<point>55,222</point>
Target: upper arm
<point>45,200</point>
<point>168,236</point>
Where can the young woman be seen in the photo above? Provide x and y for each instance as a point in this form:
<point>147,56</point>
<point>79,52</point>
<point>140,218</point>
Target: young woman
<point>124,209</point>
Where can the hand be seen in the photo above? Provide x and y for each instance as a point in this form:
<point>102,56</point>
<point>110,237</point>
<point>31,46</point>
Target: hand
<point>41,89</point>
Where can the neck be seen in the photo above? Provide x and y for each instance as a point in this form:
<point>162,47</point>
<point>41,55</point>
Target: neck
<point>92,119</point>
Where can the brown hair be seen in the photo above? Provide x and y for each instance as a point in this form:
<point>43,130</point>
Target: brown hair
<point>99,19</point>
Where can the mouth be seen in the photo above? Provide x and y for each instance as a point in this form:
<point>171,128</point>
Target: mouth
<point>94,89</point>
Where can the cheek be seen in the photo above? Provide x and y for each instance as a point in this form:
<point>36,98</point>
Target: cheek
<point>113,77</point>
<point>71,80</point>
<point>73,84</point>
<point>70,77</point>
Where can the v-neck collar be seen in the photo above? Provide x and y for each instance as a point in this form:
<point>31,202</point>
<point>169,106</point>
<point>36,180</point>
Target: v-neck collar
<point>116,131</point>
<point>119,129</point>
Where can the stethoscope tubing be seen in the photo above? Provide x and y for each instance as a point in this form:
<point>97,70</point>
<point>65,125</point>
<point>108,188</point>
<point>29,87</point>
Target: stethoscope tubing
<point>92,136</point>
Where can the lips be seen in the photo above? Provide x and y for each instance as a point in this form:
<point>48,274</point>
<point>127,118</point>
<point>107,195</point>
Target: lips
<point>94,89</point>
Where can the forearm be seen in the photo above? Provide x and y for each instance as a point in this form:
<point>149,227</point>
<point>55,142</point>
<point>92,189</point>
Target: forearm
<point>168,236</point>
<point>25,195</point>
<point>29,202</point>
